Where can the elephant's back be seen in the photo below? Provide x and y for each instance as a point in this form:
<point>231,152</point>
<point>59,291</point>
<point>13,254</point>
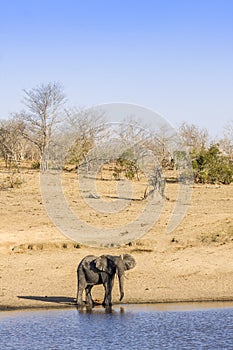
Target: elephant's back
<point>86,261</point>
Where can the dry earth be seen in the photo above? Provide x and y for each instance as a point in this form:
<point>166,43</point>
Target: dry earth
<point>38,264</point>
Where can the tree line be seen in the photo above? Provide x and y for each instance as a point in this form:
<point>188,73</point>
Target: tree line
<point>25,135</point>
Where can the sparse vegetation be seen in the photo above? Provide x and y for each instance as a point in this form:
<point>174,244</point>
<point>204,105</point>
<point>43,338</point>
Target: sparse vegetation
<point>24,137</point>
<point>126,165</point>
<point>13,180</point>
<point>211,160</point>
<point>35,165</point>
<point>219,237</point>
<point>211,166</point>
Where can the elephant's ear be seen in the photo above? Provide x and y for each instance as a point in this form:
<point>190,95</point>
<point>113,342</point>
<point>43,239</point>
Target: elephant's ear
<point>129,261</point>
<point>101,263</point>
<point>106,263</point>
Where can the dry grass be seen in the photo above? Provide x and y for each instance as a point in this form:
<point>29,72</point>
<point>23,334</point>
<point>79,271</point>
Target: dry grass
<point>192,263</point>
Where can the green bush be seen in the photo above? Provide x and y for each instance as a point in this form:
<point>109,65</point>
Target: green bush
<point>35,165</point>
<point>210,166</point>
<point>127,165</point>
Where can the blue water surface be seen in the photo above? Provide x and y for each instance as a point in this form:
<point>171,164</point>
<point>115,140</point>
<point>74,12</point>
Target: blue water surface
<point>126,327</point>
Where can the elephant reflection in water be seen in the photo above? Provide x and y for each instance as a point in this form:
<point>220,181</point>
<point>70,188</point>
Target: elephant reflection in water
<point>94,270</point>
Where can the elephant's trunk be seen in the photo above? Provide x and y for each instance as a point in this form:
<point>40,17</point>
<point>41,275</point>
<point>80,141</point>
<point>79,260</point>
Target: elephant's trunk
<point>121,286</point>
<point>121,273</point>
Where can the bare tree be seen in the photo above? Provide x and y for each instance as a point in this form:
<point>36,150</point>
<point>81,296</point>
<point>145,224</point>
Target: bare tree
<point>44,109</point>
<point>12,144</point>
<point>88,128</point>
<point>226,144</point>
<point>140,137</point>
<point>193,137</point>
<point>163,143</point>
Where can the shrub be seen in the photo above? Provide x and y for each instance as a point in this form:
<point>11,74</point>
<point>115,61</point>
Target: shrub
<point>126,164</point>
<point>13,180</point>
<point>35,165</point>
<point>222,236</point>
<point>210,166</point>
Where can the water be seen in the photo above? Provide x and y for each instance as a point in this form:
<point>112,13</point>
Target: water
<point>190,326</point>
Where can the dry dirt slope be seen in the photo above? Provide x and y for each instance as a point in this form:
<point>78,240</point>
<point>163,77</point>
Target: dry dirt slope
<point>38,264</point>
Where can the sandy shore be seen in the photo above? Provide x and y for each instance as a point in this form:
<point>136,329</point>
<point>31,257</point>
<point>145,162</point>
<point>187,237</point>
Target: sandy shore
<point>48,279</point>
<point>194,263</point>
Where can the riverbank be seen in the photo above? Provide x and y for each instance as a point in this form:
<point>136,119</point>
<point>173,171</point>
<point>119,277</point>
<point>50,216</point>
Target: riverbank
<point>47,279</point>
<point>193,263</point>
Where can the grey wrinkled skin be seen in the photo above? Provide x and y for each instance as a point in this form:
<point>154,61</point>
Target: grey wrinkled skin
<point>94,270</point>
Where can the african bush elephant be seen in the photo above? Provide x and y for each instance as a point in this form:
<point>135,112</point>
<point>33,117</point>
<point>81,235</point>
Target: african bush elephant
<point>94,270</point>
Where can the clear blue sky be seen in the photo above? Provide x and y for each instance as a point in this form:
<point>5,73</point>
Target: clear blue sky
<point>173,56</point>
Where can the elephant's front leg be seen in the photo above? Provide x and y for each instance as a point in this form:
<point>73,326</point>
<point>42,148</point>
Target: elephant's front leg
<point>80,288</point>
<point>80,296</point>
<point>108,284</point>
